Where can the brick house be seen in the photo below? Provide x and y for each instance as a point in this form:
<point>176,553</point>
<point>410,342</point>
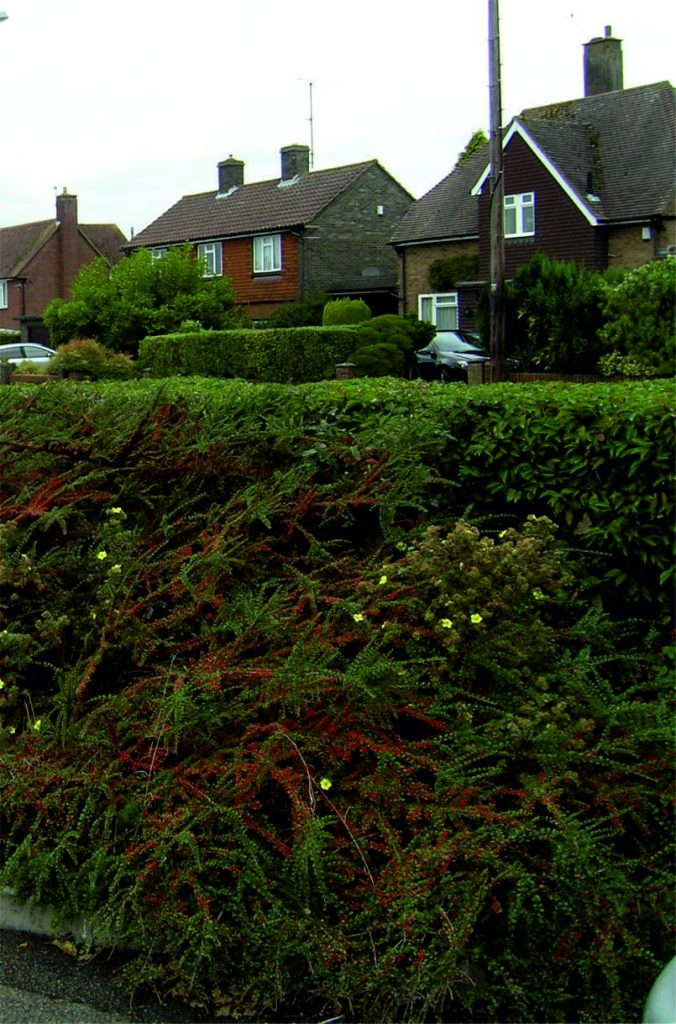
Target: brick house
<point>589,180</point>
<point>285,239</point>
<point>40,261</point>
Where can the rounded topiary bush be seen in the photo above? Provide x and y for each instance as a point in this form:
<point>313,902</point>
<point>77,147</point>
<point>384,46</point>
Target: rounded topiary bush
<point>92,360</point>
<point>380,360</point>
<point>345,311</point>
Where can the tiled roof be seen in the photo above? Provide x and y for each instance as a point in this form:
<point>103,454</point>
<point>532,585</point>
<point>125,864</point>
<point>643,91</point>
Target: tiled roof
<point>19,243</point>
<point>250,209</point>
<point>625,138</point>
<point>448,210</point>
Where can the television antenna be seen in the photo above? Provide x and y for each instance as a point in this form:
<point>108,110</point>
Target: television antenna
<point>312,122</point>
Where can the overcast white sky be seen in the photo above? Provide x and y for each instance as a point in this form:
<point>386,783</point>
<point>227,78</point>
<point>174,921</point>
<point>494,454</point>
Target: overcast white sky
<point>131,105</point>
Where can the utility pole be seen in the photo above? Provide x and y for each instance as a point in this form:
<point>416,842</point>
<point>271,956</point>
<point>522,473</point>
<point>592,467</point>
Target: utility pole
<point>497,200</point>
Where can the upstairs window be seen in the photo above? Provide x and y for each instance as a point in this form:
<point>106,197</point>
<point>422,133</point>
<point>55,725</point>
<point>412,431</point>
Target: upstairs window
<point>520,215</point>
<point>3,295</point>
<point>440,310</point>
<point>267,254</point>
<point>212,254</point>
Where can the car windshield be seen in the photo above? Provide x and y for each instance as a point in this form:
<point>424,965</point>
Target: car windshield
<point>459,343</point>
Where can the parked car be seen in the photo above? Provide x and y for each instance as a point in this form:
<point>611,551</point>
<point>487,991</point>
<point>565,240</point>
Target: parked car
<point>448,355</point>
<point>39,354</point>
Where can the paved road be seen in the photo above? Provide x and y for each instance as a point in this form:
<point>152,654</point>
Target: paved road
<point>41,984</point>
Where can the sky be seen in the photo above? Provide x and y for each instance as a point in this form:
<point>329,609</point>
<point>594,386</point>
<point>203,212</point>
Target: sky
<point>132,105</point>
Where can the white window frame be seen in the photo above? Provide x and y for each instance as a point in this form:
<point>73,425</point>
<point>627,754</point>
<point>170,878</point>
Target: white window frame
<point>436,308</point>
<point>158,254</point>
<point>267,254</point>
<point>4,294</point>
<point>522,205</point>
<point>212,254</point>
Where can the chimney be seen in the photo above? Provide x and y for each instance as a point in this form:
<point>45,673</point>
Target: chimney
<point>295,161</point>
<point>68,242</point>
<point>603,64</point>
<point>230,174</point>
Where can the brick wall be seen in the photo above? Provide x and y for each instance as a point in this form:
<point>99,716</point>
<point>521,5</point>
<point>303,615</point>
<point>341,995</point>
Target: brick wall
<point>627,248</point>
<point>261,293</point>
<point>351,235</point>
<point>414,266</point>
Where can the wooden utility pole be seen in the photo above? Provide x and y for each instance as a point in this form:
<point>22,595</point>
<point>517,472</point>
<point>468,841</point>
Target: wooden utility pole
<point>497,200</point>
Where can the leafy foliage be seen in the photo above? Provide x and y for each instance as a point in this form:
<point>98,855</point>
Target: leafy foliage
<point>92,360</point>
<point>640,316</point>
<point>275,711</point>
<point>307,312</point>
<point>445,271</point>
<point>385,345</point>
<point>477,141</point>
<point>555,313</point>
<point>140,296</point>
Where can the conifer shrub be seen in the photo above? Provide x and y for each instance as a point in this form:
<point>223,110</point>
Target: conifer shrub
<point>294,705</point>
<point>345,311</point>
<point>90,359</point>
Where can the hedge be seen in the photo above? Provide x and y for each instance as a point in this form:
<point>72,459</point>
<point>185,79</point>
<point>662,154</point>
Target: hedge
<point>269,355</point>
<point>326,698</point>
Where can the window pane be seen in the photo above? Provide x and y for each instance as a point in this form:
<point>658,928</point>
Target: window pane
<point>528,220</point>
<point>510,222</point>
<point>426,309</point>
<point>447,318</point>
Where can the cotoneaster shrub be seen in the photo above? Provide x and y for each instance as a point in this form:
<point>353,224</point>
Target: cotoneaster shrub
<point>275,711</point>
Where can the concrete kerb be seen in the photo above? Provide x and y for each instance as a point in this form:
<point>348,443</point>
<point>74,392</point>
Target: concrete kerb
<point>27,916</point>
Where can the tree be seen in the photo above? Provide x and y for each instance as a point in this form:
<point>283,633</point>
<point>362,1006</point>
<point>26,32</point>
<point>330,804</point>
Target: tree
<point>477,141</point>
<point>640,316</point>
<point>554,315</point>
<point>141,296</point>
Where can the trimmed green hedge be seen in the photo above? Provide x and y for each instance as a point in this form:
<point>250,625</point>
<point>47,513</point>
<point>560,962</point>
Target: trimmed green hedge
<point>267,355</point>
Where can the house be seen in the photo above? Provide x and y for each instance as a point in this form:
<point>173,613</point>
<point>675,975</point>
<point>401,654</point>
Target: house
<point>589,180</point>
<point>306,232</point>
<point>40,261</point>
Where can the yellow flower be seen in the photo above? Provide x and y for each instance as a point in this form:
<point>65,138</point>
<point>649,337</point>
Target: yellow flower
<point>116,568</point>
<point>358,617</point>
<point>37,724</point>
<point>11,730</point>
<point>538,595</point>
<point>2,684</point>
<point>446,623</point>
<point>476,618</point>
<point>382,580</point>
<point>101,555</point>
<point>325,783</point>
<point>117,511</point>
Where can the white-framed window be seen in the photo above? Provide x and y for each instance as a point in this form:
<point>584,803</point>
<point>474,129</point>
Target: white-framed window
<point>267,254</point>
<point>212,254</point>
<point>4,297</point>
<point>520,215</point>
<point>440,310</point>
<point>159,253</point>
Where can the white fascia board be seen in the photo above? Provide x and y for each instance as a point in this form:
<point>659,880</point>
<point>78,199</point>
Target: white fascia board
<point>516,128</point>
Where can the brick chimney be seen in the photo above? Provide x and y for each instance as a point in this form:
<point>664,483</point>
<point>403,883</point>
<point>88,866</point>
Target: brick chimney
<point>603,64</point>
<point>295,160</point>
<point>68,238</point>
<point>230,174</point>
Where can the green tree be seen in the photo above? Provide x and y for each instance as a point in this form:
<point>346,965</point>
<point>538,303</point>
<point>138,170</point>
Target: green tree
<point>640,316</point>
<point>554,315</point>
<point>305,312</point>
<point>477,141</point>
<point>141,296</point>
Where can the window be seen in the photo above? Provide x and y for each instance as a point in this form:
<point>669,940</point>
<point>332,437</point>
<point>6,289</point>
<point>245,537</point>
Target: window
<point>212,254</point>
<point>440,310</point>
<point>520,215</point>
<point>267,254</point>
<point>3,295</point>
<point>158,254</point>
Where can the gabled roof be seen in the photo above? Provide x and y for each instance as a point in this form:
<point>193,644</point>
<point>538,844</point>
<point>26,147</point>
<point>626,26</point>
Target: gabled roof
<point>448,210</point>
<point>250,209</point>
<point>625,139</point>
<point>18,244</point>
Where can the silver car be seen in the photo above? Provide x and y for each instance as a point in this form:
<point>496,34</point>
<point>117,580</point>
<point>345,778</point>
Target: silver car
<point>39,354</point>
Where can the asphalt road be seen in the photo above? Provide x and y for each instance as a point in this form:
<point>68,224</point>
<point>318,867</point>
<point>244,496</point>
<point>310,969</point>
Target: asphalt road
<point>42,984</point>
